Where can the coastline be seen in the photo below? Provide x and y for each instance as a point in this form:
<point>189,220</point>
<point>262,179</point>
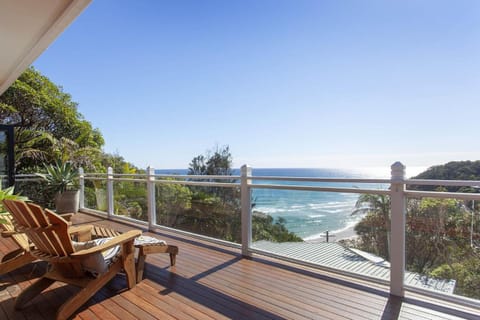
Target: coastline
<point>344,234</point>
<point>347,234</point>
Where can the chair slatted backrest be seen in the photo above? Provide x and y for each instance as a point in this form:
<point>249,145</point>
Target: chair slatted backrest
<point>8,225</point>
<point>48,231</point>
<point>100,232</point>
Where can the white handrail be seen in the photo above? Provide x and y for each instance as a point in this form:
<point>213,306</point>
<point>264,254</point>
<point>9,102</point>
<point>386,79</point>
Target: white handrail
<point>442,195</point>
<point>199,183</point>
<point>457,183</point>
<point>323,189</point>
<point>309,179</point>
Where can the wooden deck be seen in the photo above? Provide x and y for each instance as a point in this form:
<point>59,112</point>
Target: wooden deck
<point>214,282</point>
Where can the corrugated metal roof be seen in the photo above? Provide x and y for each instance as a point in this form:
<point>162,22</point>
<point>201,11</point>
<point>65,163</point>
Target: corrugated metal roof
<point>334,255</point>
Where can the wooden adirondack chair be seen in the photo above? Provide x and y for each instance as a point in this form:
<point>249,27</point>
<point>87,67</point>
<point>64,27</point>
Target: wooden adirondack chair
<point>49,233</point>
<point>19,257</point>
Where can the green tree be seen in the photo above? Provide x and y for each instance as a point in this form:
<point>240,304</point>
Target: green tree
<point>197,166</point>
<point>374,228</point>
<point>31,149</point>
<point>173,200</point>
<point>264,227</point>
<point>437,239</point>
<point>466,273</point>
<point>45,118</point>
<point>437,232</point>
<point>455,170</point>
<point>217,162</point>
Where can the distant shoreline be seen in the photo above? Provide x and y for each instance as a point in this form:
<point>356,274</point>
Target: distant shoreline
<point>346,234</point>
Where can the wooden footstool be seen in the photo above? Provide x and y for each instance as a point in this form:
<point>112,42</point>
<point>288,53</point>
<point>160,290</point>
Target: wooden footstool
<point>147,245</point>
<point>144,244</point>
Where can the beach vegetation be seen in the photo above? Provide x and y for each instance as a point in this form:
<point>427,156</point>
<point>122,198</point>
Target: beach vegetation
<point>442,241</point>
<point>454,170</point>
<point>374,228</point>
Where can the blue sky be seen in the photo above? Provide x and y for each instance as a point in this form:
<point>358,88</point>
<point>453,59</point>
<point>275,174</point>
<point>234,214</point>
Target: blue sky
<point>297,83</point>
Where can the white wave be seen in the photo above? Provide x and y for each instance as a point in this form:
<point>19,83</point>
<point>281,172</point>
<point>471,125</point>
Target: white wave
<point>269,210</point>
<point>321,236</point>
<point>339,205</point>
<point>316,215</point>
<point>317,236</point>
<point>349,225</point>
<point>336,210</point>
<point>297,206</point>
<point>327,206</point>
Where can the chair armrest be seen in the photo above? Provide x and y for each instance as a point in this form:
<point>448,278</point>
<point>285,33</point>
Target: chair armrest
<point>66,216</point>
<point>81,233</point>
<point>80,228</point>
<point>121,239</point>
<point>9,233</point>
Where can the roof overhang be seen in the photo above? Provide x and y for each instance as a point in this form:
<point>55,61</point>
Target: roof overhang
<point>27,28</point>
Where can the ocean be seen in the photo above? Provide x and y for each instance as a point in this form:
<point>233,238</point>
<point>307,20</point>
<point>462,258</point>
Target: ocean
<point>309,214</point>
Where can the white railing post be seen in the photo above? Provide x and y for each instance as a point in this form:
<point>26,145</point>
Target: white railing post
<point>110,192</point>
<point>81,182</point>
<point>151,203</point>
<point>397,226</point>
<point>246,206</point>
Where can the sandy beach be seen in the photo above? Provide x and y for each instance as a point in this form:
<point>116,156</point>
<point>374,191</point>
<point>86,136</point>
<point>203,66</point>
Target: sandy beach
<point>348,233</point>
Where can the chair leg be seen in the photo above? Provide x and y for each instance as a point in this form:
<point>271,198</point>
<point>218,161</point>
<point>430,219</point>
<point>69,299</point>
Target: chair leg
<point>75,302</point>
<point>32,291</point>
<point>173,257</point>
<point>140,266</point>
<point>128,257</point>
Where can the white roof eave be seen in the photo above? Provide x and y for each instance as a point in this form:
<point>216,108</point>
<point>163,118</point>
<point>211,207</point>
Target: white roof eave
<point>23,42</point>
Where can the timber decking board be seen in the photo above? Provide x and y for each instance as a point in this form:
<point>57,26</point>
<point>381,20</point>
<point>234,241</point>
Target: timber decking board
<point>210,281</point>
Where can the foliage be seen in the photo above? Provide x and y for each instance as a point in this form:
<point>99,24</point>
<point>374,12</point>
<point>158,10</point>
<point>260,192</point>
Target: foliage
<point>197,166</point>
<point>48,124</point>
<point>130,199</point>
<point>34,102</point>
<point>265,228</point>
<point>455,170</point>
<point>173,200</point>
<point>32,148</point>
<point>61,176</point>
<point>216,162</point>
<point>373,235</point>
<point>437,232</point>
<point>210,215</point>
<point>374,228</point>
<point>466,273</point>
<point>117,163</point>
